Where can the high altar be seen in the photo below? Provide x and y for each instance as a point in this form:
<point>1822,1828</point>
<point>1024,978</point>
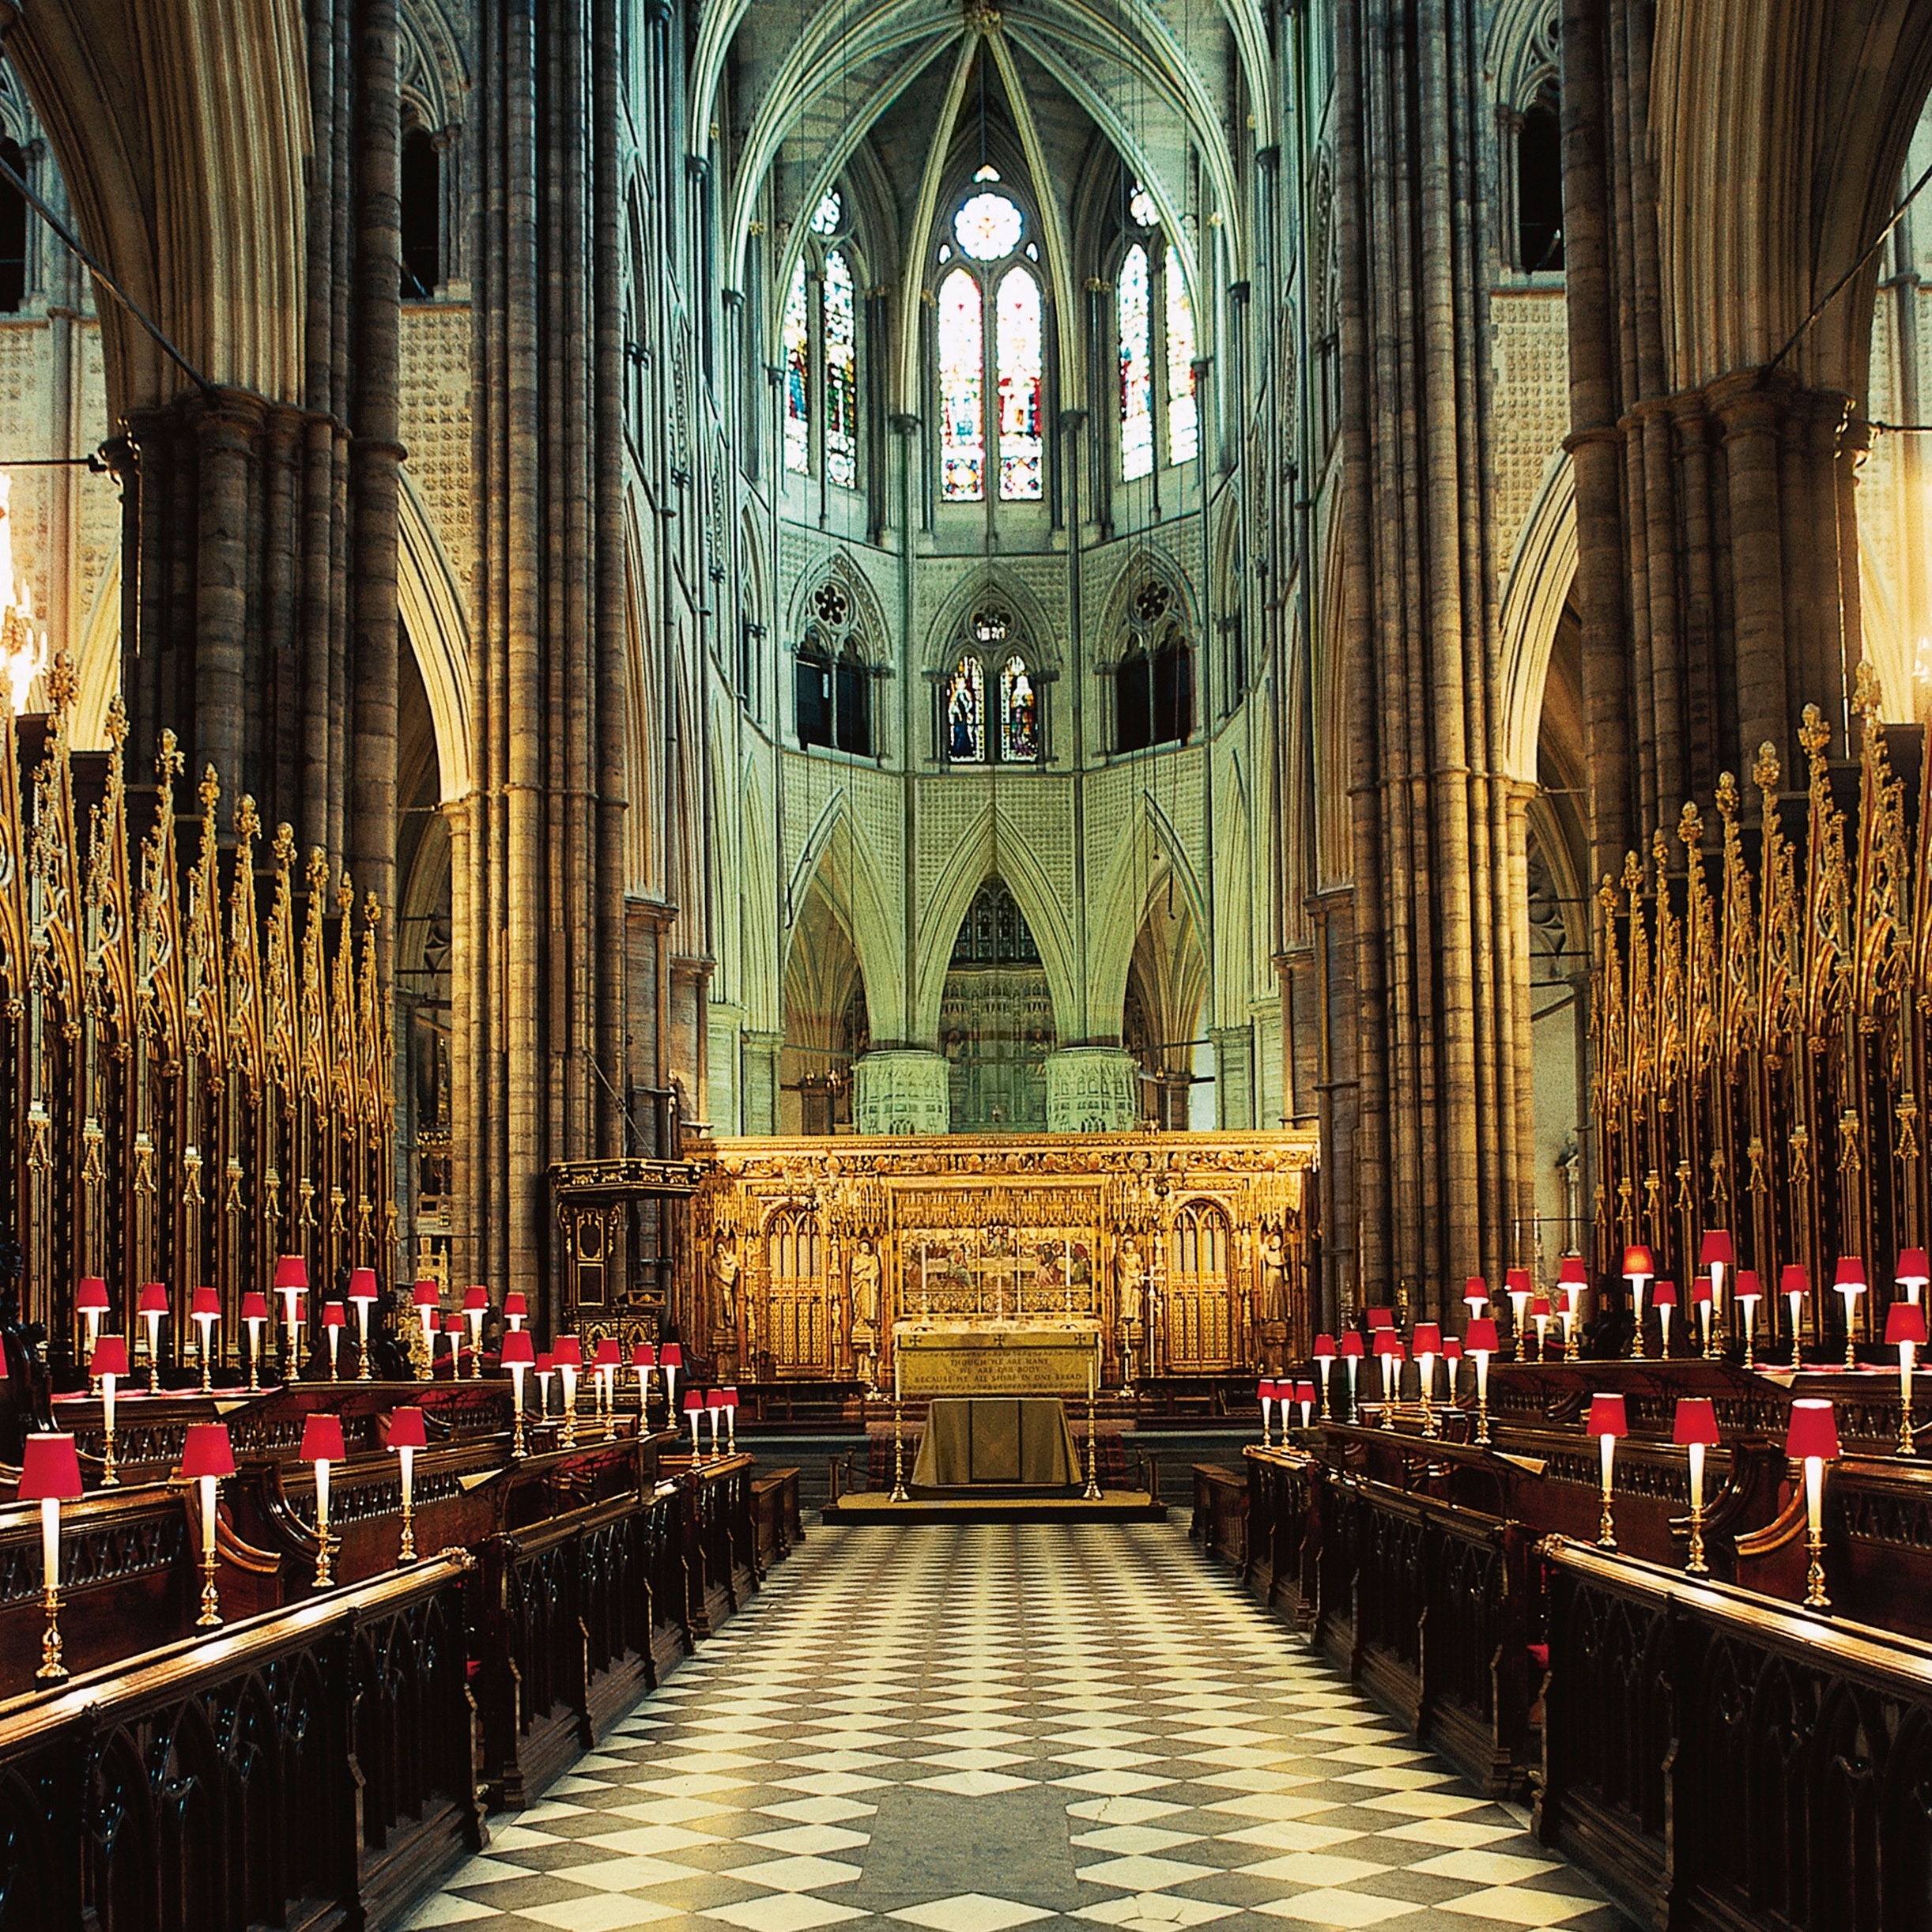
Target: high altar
<point>1186,1256</point>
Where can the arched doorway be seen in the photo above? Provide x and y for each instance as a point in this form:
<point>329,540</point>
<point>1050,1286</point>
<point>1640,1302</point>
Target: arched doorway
<point>996,1025</point>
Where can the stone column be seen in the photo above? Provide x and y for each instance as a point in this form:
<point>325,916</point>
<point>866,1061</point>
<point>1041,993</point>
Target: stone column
<point>1234,1075</point>
<point>903,1090</point>
<point>1093,1090</point>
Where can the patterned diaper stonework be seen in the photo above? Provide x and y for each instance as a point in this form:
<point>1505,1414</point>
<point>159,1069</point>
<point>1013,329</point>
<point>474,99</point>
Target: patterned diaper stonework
<point>973,1729</point>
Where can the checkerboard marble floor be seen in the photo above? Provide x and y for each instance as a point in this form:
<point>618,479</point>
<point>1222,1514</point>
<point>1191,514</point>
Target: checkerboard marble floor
<point>972,1729</point>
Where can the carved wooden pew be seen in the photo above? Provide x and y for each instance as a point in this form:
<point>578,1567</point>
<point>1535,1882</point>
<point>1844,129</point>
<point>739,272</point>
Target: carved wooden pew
<point>1221,1513</point>
<point>721,1535</point>
<point>1716,1760</point>
<point>775,1505</point>
<point>315,1766</point>
<point>1284,1530</point>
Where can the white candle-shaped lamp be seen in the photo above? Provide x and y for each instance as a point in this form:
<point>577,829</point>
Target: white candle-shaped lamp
<point>520,1357</point>
<point>476,1305</point>
<point>1811,1438</point>
<point>1452,1363</point>
<point>644,1361</point>
<point>1664,1299</point>
<point>1426,1345</point>
<point>670,1361</point>
<point>730,1416</point>
<point>1481,1343</point>
<point>335,1320</point>
<point>1701,1308</point>
<point>153,1309</point>
<point>1324,1367</point>
<point>1748,1290</point>
<point>1694,1430</point>
<point>607,1360</point>
<point>1521,1291</point>
<point>49,1475</point>
<point>205,1459</point>
<point>1905,1330</point>
<point>1914,1271</point>
<point>90,1302</point>
<point>1572,1277</point>
<point>1640,1268</point>
<point>429,1304</point>
<point>1264,1393</point>
<point>453,1328</point>
<point>1390,1353</point>
<point>1607,1423</point>
<point>714,1413</point>
<point>1795,1285</point>
<point>1349,1351</point>
<point>694,1413</point>
<point>515,1310</point>
<point>1716,1258</point>
<point>110,1360</point>
<point>568,1353</point>
<point>406,1435</point>
<point>546,1368</point>
<point>255,1318</point>
<point>322,1445</point>
<point>363,1294</point>
<point>205,1310</point>
<point>1849,1282</point>
<point>1305,1401</point>
<point>292,1285</point>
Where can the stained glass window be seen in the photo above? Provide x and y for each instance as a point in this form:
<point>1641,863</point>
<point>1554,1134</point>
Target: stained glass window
<point>1018,310</point>
<point>827,217</point>
<point>1137,401</point>
<point>1183,414</point>
<point>965,720</point>
<point>1141,206</point>
<point>798,337</point>
<point>988,226</point>
<point>841,374</point>
<point>962,383</point>
<point>1019,713</point>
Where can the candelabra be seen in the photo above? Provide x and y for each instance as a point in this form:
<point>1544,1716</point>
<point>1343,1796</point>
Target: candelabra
<point>899,1448</point>
<point>1092,1492</point>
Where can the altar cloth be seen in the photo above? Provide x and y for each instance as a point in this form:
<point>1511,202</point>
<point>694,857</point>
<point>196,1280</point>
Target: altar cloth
<point>977,1439</point>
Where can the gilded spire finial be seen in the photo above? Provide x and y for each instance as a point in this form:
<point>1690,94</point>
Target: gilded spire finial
<point>247,820</point>
<point>168,762</point>
<point>210,789</point>
<point>1766,770</point>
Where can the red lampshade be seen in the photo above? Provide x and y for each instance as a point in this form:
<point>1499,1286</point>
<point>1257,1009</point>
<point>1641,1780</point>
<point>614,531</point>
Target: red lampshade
<point>1572,1273</point>
<point>1350,1348</point>
<point>91,1293</point>
<point>1606,1417</point>
<point>405,1429</point>
<point>208,1451</point>
<point>428,1295</point>
<point>1481,1337</point>
<point>291,1271</point>
<point>730,1396</point>
<point>1905,1321</point>
<point>452,1324</point>
<point>1324,1347</point>
<point>1476,1289</point>
<point>475,1301</point>
<point>1264,1390</point>
<point>322,1440</point>
<point>50,1467</point>
<point>153,1298</point>
<point>1716,1247</point>
<point>1304,1391</point>
<point>1695,1422</point>
<point>254,1306</point>
<point>1540,1305</point>
<point>1516,1281</point>
<point>206,1302</point>
<point>1452,1349</point>
<point>568,1351</point>
<point>1813,1431</point>
<point>1701,1288</point>
<point>644,1356</point>
<point>1381,1317</point>
<point>1638,1261</point>
<point>608,1354</point>
<point>518,1347</point>
<point>1851,1274</point>
<point>110,1356</point>
<point>1913,1265</point>
<point>333,1316</point>
<point>694,1399</point>
<point>1426,1340</point>
<point>362,1284</point>
<point>1664,1294</point>
<point>1793,1279</point>
<point>671,1355</point>
<point>514,1304</point>
<point>713,1398</point>
<point>546,1364</point>
<point>1388,1342</point>
<point>1749,1288</point>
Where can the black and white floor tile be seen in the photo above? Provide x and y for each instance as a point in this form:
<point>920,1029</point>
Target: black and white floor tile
<point>975,1729</point>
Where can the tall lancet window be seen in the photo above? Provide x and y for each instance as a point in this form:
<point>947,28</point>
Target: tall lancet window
<point>962,385</point>
<point>820,342</point>
<point>991,348</point>
<point>1156,345</point>
<point>797,335</point>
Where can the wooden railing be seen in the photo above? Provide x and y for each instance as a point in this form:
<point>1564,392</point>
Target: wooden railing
<point>1715,1760</point>
<point>316,1763</point>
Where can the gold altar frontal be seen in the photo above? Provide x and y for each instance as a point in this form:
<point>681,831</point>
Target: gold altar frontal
<point>997,1358</point>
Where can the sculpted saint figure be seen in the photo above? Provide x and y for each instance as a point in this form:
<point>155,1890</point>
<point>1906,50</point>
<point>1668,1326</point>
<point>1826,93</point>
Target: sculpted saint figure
<point>1273,1277</point>
<point>864,1287</point>
<point>724,1273</point>
<point>1130,1277</point>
